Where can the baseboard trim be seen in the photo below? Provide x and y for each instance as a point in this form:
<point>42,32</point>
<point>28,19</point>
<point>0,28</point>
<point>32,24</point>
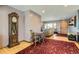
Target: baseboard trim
<point>26,41</point>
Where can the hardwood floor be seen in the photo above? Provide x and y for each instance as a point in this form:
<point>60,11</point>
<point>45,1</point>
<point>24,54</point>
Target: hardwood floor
<point>15,49</point>
<point>23,45</point>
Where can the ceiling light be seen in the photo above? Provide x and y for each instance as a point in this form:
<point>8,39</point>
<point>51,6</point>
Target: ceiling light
<point>65,5</point>
<point>43,11</point>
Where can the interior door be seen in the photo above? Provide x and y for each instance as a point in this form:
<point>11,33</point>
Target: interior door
<point>13,29</point>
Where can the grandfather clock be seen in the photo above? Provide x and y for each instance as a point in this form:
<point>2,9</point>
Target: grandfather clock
<point>13,29</point>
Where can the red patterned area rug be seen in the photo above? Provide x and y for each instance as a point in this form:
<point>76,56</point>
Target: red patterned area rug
<point>51,47</point>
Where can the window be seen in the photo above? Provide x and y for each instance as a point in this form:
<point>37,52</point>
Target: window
<point>50,25</point>
<point>54,25</point>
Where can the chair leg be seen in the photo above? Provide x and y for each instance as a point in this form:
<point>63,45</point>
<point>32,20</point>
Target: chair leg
<point>43,39</point>
<point>39,41</point>
<point>35,44</point>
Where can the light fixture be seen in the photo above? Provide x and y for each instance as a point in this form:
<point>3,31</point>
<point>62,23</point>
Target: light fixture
<point>65,5</point>
<point>43,11</point>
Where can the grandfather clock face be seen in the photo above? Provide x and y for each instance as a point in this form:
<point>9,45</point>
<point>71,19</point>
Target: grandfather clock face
<point>13,29</point>
<point>14,25</point>
<point>14,19</point>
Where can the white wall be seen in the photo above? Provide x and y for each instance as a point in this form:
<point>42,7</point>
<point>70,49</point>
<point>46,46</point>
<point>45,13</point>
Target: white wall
<point>32,22</point>
<point>1,35</point>
<point>4,11</point>
<point>26,23</point>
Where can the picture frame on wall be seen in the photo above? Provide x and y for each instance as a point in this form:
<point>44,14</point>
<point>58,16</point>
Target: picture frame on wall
<point>72,21</point>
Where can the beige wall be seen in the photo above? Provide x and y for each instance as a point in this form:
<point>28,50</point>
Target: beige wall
<point>32,22</point>
<point>4,11</point>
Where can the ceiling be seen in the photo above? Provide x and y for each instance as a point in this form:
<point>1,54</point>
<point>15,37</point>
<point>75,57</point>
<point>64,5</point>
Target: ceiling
<point>50,12</point>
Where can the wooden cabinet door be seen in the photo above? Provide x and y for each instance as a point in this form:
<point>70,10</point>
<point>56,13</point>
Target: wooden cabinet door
<point>63,27</point>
